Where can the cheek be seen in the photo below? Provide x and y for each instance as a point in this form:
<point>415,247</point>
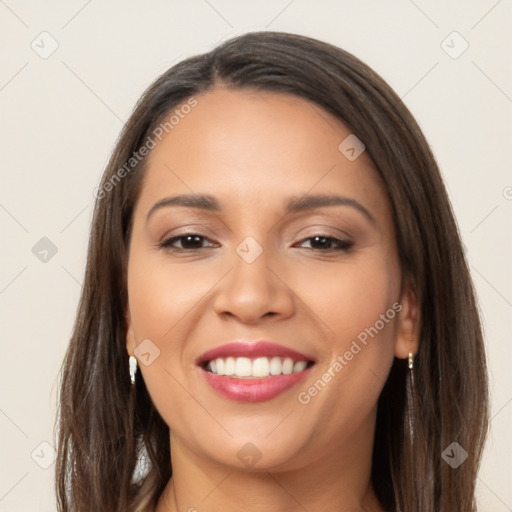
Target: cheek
<point>162,299</point>
<point>167,301</point>
<point>161,294</point>
<point>359,308</point>
<point>352,298</point>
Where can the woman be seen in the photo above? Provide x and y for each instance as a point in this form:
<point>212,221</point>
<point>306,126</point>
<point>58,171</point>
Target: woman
<point>276,312</point>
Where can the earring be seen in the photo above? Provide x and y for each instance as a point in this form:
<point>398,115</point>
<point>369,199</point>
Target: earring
<point>133,368</point>
<point>410,393</point>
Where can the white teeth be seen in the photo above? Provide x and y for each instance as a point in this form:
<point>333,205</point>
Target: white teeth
<point>229,366</point>
<point>243,367</point>
<point>276,366</point>
<point>260,367</point>
<point>299,366</point>
<point>288,366</point>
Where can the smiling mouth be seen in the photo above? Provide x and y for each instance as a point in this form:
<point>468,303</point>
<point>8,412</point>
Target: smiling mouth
<point>255,368</point>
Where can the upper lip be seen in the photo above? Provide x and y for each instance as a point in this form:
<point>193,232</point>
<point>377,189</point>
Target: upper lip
<point>251,350</point>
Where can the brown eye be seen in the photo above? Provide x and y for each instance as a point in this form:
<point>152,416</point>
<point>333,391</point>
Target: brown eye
<point>328,243</point>
<point>189,242</point>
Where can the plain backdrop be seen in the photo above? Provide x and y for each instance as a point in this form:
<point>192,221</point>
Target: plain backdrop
<point>70,73</point>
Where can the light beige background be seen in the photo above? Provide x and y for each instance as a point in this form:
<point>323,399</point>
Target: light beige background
<point>60,117</point>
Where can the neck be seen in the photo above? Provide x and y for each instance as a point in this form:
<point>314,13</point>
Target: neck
<point>337,478</point>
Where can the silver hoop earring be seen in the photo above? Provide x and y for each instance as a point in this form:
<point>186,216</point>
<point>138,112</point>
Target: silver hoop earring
<point>133,368</point>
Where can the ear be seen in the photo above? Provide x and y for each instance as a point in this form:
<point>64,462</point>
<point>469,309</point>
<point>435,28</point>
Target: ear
<point>408,323</point>
<point>130,334</point>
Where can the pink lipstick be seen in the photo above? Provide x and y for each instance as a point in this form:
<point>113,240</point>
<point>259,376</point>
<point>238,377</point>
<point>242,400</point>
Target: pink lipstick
<point>253,372</point>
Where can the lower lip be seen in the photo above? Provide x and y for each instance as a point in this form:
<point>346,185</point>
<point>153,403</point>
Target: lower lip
<point>253,390</point>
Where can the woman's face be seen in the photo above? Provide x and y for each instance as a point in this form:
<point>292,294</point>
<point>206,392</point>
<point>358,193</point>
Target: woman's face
<point>262,258</point>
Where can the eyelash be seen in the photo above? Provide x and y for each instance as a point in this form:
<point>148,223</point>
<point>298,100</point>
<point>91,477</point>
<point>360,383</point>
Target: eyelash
<point>343,245</point>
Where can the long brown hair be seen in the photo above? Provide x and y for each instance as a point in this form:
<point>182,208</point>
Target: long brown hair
<point>105,423</point>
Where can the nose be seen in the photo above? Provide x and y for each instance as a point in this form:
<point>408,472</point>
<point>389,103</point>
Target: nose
<point>253,291</point>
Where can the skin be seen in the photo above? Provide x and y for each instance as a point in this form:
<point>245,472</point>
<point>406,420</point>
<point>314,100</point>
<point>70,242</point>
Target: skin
<point>252,151</point>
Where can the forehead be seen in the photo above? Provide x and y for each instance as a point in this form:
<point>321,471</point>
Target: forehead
<point>252,147</point>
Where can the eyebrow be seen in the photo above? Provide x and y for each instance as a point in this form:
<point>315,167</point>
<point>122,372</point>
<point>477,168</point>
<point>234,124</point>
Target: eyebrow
<point>295,204</point>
